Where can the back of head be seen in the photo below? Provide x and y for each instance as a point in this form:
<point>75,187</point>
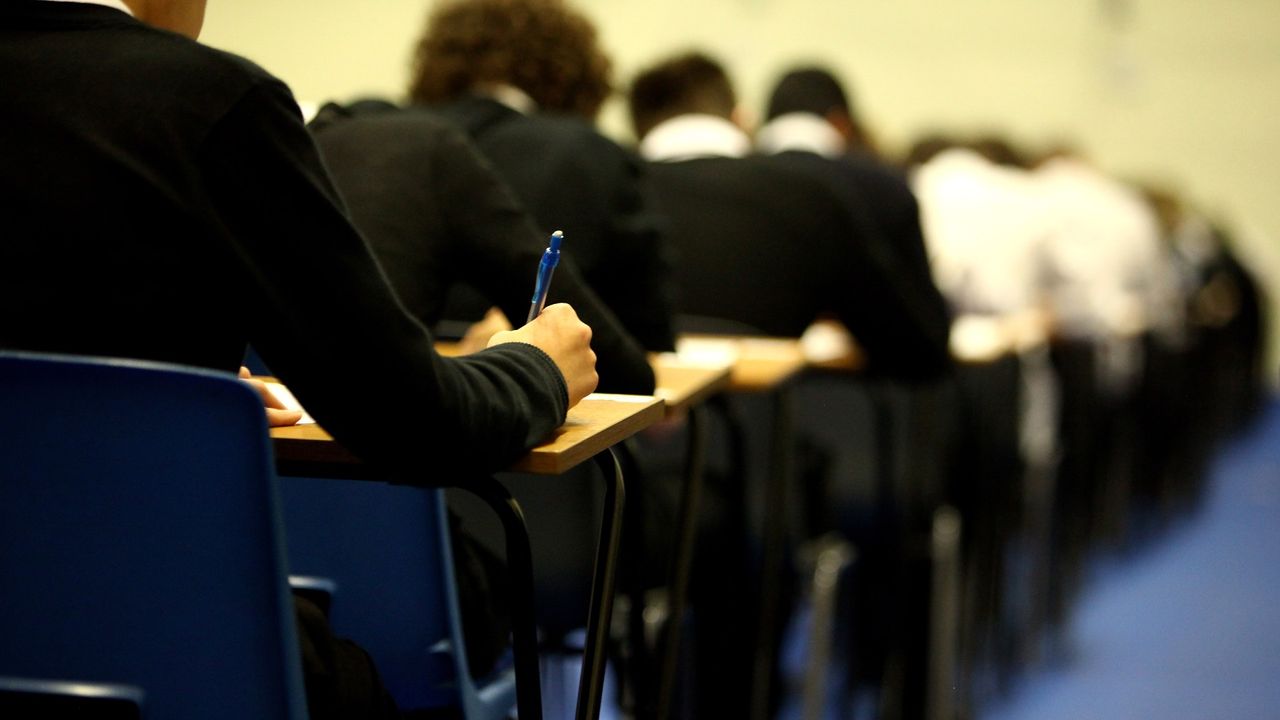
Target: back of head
<point>807,90</point>
<point>685,84</point>
<point>926,147</point>
<point>1000,150</point>
<point>544,48</point>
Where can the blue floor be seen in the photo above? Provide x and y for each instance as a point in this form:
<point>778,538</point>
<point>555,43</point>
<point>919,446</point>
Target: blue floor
<point>1189,627</point>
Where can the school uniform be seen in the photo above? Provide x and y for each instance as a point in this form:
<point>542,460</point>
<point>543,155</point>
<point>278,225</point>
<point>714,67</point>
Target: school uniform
<point>436,215</point>
<point>572,178</point>
<point>766,241</point>
<point>163,201</point>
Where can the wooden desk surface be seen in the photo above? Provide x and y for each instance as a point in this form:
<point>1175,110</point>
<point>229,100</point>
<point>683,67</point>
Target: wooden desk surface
<point>682,385</point>
<point>759,363</point>
<point>593,425</point>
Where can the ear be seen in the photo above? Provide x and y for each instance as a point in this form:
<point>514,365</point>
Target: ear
<point>843,124</point>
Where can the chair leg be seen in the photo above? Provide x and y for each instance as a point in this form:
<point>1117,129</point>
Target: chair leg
<point>944,613</point>
<point>831,555</point>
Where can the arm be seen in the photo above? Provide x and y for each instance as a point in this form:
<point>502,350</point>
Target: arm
<point>321,314</point>
<point>498,249</point>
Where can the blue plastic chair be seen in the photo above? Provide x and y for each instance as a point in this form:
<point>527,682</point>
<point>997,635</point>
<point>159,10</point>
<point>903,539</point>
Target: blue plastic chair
<point>387,549</point>
<point>140,540</point>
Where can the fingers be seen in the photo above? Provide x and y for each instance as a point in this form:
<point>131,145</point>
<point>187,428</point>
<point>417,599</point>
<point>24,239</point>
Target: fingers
<point>282,418</point>
<point>480,334</point>
<point>277,414</point>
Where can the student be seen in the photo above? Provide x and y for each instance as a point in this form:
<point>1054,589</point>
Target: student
<point>436,215</point>
<point>765,240</point>
<point>525,79</point>
<point>164,201</point>
<point>811,123</point>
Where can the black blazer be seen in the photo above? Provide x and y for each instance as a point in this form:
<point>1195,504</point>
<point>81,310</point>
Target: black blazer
<point>765,241</point>
<point>436,214</point>
<point>886,222</point>
<point>572,178</point>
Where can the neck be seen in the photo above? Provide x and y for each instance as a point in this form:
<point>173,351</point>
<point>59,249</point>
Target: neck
<point>184,17</point>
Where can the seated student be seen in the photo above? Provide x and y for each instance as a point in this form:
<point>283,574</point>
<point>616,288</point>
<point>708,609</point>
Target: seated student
<point>525,79</point>
<point>766,241</point>
<point>436,214</point>
<point>163,201</point>
<point>809,115</point>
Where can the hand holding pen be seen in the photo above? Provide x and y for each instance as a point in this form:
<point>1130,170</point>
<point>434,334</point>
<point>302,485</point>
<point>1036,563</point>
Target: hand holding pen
<point>559,333</point>
<point>550,258</point>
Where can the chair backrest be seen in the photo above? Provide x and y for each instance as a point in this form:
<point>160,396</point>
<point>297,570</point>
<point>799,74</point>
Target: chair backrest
<point>139,537</point>
<point>26,699</point>
<point>387,549</point>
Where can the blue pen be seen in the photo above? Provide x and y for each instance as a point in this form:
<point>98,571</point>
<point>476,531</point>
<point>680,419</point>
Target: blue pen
<point>548,265</point>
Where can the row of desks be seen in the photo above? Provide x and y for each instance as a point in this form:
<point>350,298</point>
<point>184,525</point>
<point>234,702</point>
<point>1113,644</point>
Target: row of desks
<point>706,366</point>
<point>703,367</point>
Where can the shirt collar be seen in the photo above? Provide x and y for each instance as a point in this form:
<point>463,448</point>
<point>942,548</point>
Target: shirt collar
<point>801,131</point>
<point>117,4</point>
<point>692,136</point>
<point>509,95</point>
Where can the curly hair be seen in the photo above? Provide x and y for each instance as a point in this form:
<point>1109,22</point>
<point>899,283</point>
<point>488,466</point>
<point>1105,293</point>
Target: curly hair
<point>543,47</point>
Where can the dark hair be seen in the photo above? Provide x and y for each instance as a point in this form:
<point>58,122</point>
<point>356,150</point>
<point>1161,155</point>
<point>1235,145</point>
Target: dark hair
<point>543,47</point>
<point>810,90</point>
<point>688,83</point>
<point>926,147</point>
<point>1000,150</point>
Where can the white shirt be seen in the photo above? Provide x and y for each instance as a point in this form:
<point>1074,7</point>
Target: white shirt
<point>509,95</point>
<point>985,229</point>
<point>117,4</point>
<point>801,131</point>
<point>1111,272</point>
<point>694,136</point>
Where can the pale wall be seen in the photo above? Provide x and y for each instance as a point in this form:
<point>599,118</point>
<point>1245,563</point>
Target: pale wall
<point>1184,91</point>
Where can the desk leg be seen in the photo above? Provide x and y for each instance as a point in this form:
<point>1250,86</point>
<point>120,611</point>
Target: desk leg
<point>520,569</point>
<point>637,664</point>
<point>600,613</point>
<point>773,542</point>
<point>678,582</point>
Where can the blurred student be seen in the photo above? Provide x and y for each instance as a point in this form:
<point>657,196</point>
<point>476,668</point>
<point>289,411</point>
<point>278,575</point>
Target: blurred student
<point>525,79</point>
<point>811,124</point>
<point>765,240</point>
<point>436,214</point>
<point>164,201</point>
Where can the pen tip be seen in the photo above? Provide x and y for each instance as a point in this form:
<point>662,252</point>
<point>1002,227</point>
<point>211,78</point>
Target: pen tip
<point>556,237</point>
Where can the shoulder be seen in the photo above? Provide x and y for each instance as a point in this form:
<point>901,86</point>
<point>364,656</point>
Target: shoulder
<point>564,146</point>
<point>164,67</point>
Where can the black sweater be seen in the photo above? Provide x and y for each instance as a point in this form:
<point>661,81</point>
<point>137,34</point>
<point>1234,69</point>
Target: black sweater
<point>436,214</point>
<point>163,200</point>
<point>572,178</point>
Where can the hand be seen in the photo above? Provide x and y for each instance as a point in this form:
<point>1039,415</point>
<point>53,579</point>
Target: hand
<point>478,335</point>
<point>567,340</point>
<point>277,414</point>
